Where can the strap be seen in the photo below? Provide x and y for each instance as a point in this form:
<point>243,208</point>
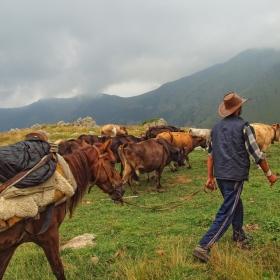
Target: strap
<point>47,220</point>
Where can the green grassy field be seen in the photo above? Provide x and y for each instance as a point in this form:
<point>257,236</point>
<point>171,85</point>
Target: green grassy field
<point>142,243</point>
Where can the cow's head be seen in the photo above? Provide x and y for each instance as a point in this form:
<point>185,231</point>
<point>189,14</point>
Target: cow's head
<point>123,130</point>
<point>181,160</point>
<point>277,132</point>
<point>202,142</point>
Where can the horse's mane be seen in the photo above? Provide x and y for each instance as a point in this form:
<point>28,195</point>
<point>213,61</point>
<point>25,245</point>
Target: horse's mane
<point>80,168</point>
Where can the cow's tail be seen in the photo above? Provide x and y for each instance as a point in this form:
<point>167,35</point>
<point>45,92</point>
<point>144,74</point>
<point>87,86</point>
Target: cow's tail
<point>124,160</point>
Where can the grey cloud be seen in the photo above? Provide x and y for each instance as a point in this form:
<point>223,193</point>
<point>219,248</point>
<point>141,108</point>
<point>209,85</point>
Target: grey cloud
<point>63,48</point>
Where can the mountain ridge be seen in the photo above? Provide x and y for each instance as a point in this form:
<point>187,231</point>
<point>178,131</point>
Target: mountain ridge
<point>188,101</point>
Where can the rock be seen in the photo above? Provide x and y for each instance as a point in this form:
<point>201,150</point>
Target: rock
<point>80,241</point>
<point>160,121</point>
<point>88,122</point>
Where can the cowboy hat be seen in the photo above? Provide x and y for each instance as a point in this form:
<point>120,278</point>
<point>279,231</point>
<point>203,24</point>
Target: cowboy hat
<point>231,103</point>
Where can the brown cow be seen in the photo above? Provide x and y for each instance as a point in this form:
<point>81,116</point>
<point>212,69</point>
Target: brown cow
<point>113,130</point>
<point>91,139</point>
<point>144,157</point>
<point>184,140</point>
<point>120,140</point>
<point>266,134</point>
<point>69,146</point>
<point>153,131</point>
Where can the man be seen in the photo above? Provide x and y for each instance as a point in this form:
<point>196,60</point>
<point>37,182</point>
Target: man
<point>232,141</point>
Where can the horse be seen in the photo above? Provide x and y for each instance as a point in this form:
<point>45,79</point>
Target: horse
<point>89,165</point>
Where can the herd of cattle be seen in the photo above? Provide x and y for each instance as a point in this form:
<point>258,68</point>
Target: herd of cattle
<point>157,147</point>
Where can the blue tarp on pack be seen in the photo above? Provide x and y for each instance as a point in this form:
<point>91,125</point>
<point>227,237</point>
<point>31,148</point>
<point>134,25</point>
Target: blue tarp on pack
<point>22,156</point>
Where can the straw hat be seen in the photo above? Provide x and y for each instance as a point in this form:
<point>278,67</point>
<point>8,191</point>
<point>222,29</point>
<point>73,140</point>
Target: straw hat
<point>230,104</point>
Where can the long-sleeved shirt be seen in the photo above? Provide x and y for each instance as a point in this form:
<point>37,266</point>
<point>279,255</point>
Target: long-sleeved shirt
<point>250,143</point>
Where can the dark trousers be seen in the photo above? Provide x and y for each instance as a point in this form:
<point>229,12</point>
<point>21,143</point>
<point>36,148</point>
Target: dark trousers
<point>230,212</point>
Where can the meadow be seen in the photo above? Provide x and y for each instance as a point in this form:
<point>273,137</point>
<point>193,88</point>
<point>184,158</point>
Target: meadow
<point>142,242</point>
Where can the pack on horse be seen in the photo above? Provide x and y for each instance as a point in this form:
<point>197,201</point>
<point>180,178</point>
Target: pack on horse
<point>89,165</point>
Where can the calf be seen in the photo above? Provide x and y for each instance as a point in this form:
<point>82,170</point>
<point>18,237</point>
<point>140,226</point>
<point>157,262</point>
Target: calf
<point>184,140</point>
<point>144,157</point>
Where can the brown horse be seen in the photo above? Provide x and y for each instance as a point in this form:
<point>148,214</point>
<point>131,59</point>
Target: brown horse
<point>90,165</point>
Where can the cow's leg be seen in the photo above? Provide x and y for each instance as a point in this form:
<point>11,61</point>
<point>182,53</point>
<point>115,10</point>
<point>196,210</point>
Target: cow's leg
<point>131,186</point>
<point>171,167</point>
<point>138,183</point>
<point>127,177</point>
<point>188,161</point>
<point>5,257</point>
<point>176,166</point>
<point>158,173</point>
<point>147,176</point>
<point>121,171</point>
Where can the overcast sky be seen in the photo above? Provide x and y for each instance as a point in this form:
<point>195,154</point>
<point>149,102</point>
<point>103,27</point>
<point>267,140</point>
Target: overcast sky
<point>122,47</point>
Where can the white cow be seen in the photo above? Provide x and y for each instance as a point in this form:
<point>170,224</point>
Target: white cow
<point>199,132</point>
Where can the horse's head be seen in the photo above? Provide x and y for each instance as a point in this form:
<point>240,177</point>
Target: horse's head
<point>103,172</point>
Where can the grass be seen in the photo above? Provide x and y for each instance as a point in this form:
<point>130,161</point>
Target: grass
<point>143,243</point>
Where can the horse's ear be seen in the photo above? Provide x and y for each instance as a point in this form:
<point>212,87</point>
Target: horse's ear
<point>107,144</point>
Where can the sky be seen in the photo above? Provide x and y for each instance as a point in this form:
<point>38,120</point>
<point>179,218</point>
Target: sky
<point>65,48</point>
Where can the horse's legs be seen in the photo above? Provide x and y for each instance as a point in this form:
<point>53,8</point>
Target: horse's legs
<point>50,246</point>
<point>5,257</point>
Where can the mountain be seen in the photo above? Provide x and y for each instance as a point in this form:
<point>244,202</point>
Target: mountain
<point>190,101</point>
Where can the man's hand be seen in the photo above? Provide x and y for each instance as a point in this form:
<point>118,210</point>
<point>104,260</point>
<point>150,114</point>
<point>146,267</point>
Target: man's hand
<point>211,184</point>
<point>272,179</point>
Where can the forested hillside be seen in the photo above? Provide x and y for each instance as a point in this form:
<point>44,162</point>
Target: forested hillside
<point>189,101</point>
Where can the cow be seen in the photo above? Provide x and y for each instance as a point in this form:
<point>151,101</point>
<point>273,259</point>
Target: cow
<point>91,139</point>
<point>113,130</point>
<point>144,157</point>
<point>201,131</point>
<point>153,131</point>
<point>184,140</point>
<point>68,146</point>
<point>120,140</point>
<point>266,134</point>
